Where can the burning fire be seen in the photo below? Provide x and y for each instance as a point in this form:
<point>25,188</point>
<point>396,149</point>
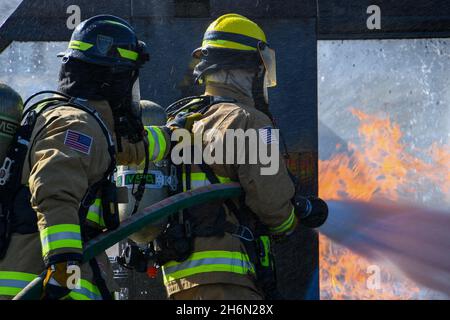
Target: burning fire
<point>379,166</point>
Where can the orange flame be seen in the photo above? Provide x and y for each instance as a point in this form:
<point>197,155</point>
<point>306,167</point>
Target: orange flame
<point>380,165</point>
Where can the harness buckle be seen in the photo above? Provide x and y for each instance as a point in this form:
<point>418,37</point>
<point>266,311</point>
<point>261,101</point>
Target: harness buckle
<point>5,171</point>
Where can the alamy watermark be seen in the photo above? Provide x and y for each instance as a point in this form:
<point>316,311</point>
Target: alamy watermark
<point>233,147</point>
<point>373,281</point>
<point>374,20</point>
<point>74,18</point>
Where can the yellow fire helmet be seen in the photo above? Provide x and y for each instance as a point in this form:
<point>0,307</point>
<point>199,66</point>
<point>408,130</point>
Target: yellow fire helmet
<point>233,40</point>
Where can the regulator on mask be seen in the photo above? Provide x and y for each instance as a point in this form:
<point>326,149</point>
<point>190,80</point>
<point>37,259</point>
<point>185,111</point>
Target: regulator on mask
<point>126,110</point>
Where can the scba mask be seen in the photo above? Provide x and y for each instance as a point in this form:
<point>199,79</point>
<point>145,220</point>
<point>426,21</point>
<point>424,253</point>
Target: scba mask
<point>127,114</point>
<point>268,58</point>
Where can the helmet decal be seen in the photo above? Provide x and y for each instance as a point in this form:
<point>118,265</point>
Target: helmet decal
<point>104,44</point>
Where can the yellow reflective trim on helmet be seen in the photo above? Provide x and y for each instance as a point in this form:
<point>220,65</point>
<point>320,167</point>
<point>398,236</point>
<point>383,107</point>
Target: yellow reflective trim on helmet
<point>80,45</point>
<point>128,54</point>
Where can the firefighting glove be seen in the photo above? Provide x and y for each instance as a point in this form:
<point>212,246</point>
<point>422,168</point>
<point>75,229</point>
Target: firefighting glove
<point>184,120</point>
<point>132,153</point>
<point>312,212</point>
<point>58,281</point>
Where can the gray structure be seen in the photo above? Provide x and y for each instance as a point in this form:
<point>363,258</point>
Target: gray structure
<point>173,28</point>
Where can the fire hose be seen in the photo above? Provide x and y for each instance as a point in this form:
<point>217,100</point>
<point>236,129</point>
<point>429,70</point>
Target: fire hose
<point>151,214</point>
<point>311,211</point>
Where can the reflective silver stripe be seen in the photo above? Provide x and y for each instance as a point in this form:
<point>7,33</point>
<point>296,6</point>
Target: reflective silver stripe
<point>208,261</point>
<point>95,209</point>
<point>156,143</point>
<point>198,184</point>
<point>89,294</point>
<point>60,236</point>
<point>14,283</point>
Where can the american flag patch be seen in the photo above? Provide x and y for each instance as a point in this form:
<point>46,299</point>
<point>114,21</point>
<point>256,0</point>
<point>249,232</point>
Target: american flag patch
<point>268,135</point>
<point>78,141</point>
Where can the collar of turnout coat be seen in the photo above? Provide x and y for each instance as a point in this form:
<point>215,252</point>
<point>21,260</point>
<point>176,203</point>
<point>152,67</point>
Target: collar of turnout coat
<point>229,92</point>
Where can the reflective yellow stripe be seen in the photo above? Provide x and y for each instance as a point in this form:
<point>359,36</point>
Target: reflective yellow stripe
<point>151,141</point>
<point>161,142</point>
<point>88,291</point>
<point>128,54</point>
<point>13,275</point>
<point>265,260</point>
<point>9,291</point>
<point>80,45</point>
<point>157,143</point>
<point>60,236</point>
<point>95,214</point>
<point>60,228</point>
<point>204,269</point>
<point>78,296</point>
<point>199,179</point>
<point>89,286</point>
<point>285,226</point>
<point>211,254</point>
<point>208,261</point>
<point>12,282</point>
<point>60,244</point>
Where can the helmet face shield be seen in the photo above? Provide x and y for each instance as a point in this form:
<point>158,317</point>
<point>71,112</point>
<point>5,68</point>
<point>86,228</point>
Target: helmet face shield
<point>136,99</point>
<point>269,60</point>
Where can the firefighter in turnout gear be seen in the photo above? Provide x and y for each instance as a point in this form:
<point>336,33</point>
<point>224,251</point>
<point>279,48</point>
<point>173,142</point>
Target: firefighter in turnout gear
<point>69,145</point>
<point>222,250</point>
<point>230,241</point>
